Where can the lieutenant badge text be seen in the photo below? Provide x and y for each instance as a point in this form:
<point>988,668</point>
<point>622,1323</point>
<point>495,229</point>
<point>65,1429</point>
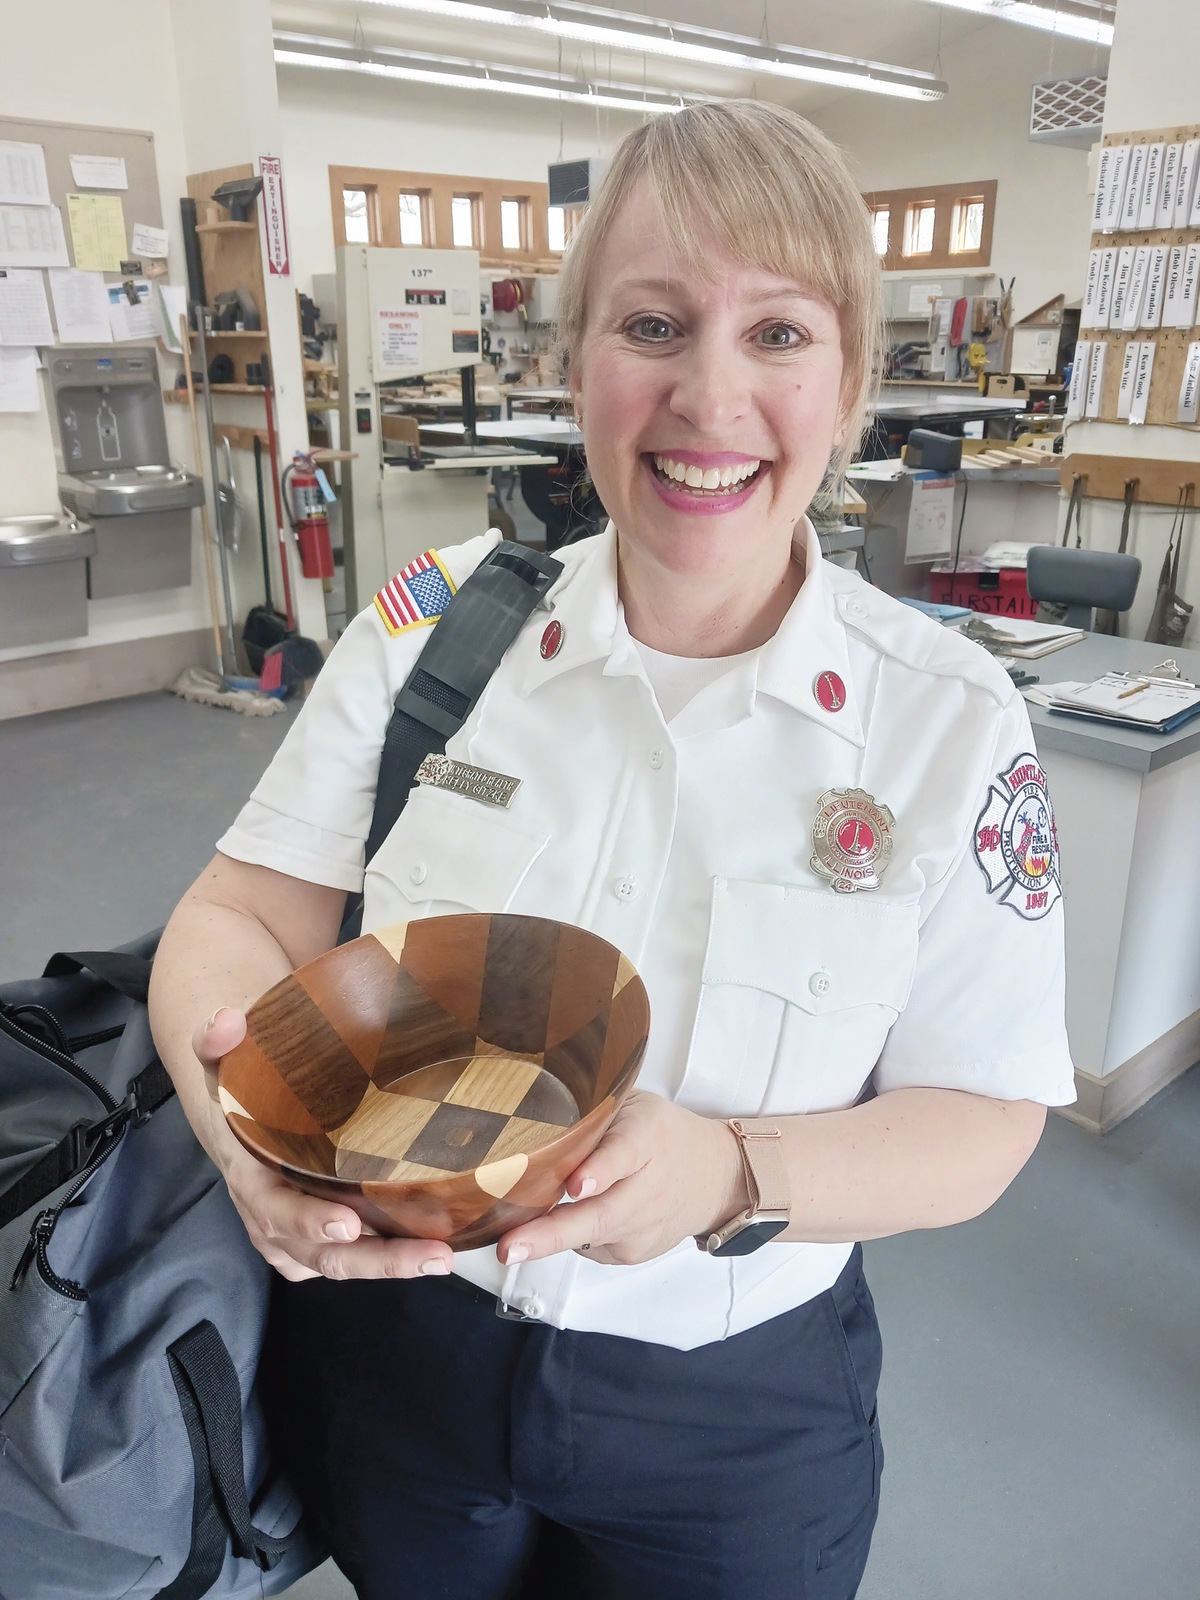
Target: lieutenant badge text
<point>477,783</point>
<point>852,839</point>
<point>1016,843</point>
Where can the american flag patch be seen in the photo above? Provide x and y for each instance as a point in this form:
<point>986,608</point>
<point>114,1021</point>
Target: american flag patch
<point>416,596</point>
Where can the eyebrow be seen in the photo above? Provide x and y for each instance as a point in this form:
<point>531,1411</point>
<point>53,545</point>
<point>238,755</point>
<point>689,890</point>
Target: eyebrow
<point>674,286</point>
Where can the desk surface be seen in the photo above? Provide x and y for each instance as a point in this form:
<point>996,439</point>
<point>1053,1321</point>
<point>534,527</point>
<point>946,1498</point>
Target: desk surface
<point>1101,741</point>
<point>518,430</point>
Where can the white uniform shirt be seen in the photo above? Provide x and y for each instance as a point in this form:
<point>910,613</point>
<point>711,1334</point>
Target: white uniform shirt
<point>689,848</point>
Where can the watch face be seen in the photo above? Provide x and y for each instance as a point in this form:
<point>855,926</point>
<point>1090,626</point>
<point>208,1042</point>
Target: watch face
<point>750,1238</point>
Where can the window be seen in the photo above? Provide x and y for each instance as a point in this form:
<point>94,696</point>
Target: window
<point>354,209</point>
<point>918,228</point>
<point>881,222</point>
<point>966,227</point>
<point>556,227</point>
<point>512,224</point>
<point>463,211</point>
<point>412,218</point>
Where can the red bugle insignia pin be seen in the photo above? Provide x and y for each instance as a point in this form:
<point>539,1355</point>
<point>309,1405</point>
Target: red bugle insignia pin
<point>852,839</point>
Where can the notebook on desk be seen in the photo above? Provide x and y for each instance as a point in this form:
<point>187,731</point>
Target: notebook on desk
<point>1154,705</point>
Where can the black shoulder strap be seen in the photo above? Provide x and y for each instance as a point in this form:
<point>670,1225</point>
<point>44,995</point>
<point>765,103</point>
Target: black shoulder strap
<point>452,671</point>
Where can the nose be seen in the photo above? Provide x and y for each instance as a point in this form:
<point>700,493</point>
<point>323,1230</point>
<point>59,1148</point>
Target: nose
<point>711,388</point>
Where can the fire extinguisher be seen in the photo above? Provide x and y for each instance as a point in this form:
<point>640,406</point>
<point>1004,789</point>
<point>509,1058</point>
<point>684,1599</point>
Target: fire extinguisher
<point>305,505</point>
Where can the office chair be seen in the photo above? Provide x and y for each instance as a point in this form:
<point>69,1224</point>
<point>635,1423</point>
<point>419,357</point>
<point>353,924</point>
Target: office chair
<point>1082,580</point>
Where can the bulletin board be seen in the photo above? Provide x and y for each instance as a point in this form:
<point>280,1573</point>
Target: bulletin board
<point>1173,345</point>
<point>60,141</point>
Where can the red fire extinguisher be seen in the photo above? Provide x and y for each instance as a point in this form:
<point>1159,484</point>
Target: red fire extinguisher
<point>306,512</point>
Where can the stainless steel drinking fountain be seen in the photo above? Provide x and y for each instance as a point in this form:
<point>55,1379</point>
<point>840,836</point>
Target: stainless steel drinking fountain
<point>115,470</point>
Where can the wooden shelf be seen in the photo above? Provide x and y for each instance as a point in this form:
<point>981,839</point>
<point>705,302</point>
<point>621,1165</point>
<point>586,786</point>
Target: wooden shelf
<point>227,227</point>
<point>179,396</point>
<point>232,333</point>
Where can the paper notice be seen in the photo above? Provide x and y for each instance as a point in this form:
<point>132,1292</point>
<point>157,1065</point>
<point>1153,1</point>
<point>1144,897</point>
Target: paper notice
<point>1135,188</point>
<point>24,313</point>
<point>398,340</point>
<point>169,302</point>
<point>1137,289</point>
<point>930,519</point>
<point>1185,184</point>
<point>80,306</point>
<point>1141,383</point>
<point>32,236</point>
<point>23,174</point>
<point>1095,384</point>
<point>129,321</point>
<point>1128,371</point>
<point>99,172</point>
<point>1153,186</point>
<point>1189,389</point>
<point>921,296</point>
<point>1156,283</point>
<point>1120,292</point>
<point>97,231</point>
<point>1164,215</point>
<point>18,380</point>
<point>148,241</point>
<point>1186,314</point>
<point>1080,368</point>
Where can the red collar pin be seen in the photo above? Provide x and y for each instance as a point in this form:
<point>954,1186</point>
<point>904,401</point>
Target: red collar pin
<point>829,690</point>
<point>552,639</point>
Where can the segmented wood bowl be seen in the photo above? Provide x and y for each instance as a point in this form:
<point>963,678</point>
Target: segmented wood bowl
<point>443,1077</point>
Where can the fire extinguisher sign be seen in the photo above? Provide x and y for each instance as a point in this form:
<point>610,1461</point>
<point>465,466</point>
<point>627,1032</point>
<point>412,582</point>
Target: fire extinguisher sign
<point>275,241</point>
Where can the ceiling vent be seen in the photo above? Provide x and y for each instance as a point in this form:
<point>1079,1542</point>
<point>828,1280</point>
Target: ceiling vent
<point>1068,111</point>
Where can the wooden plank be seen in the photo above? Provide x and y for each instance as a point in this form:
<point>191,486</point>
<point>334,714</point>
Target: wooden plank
<point>1158,483</point>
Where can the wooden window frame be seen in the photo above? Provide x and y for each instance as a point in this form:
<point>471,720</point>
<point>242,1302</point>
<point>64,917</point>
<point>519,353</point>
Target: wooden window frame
<point>369,190</point>
<point>426,210</point>
<point>944,197</point>
<point>438,189</point>
<point>476,202</point>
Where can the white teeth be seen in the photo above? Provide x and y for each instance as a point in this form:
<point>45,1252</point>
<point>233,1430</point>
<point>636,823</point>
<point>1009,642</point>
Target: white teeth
<point>678,471</point>
<point>706,478</point>
<point>712,478</point>
<point>694,478</point>
<point>726,477</point>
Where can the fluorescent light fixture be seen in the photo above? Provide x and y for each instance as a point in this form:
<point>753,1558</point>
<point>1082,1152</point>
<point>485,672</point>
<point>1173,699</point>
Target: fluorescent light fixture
<point>1090,20</point>
<point>624,30</point>
<point>305,50</point>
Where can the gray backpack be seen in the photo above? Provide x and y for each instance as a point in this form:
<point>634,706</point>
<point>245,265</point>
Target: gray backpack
<point>133,1457</point>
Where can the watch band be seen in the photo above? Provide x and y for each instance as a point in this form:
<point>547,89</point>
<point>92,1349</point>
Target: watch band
<point>761,1143</point>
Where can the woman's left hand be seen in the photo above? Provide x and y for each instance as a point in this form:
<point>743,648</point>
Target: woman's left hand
<point>659,1175</point>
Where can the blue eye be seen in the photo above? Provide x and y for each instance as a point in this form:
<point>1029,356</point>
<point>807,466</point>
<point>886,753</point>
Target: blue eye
<point>781,336</point>
<point>649,329</point>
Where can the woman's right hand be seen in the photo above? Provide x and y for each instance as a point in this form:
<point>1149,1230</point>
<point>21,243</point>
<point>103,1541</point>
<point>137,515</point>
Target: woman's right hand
<point>300,1235</point>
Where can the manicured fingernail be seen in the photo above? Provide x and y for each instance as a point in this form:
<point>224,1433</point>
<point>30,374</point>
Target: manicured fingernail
<point>587,1187</point>
<point>338,1230</point>
<point>516,1254</point>
<point>435,1267</point>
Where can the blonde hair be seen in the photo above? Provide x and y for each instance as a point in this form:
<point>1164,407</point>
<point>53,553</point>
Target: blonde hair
<point>771,191</point>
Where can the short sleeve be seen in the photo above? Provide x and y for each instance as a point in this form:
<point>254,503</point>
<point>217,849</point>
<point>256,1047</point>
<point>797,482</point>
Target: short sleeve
<point>310,813</point>
<point>986,1013</point>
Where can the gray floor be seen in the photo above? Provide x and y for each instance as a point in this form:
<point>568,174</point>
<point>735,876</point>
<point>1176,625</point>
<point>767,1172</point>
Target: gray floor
<point>1041,1396</point>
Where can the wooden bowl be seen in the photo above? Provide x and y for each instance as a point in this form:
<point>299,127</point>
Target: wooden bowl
<point>442,1077</point>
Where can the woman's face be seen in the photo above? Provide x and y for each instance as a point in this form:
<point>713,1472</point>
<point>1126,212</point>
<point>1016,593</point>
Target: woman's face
<point>710,404</point>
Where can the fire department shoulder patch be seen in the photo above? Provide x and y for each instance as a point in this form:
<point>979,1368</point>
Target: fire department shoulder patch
<point>1016,844</point>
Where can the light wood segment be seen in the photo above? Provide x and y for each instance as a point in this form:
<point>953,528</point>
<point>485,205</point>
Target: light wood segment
<point>494,1083</point>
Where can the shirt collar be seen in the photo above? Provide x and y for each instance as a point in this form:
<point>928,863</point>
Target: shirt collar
<point>810,641</point>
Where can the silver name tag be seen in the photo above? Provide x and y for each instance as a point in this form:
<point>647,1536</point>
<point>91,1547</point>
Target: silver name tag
<point>477,783</point>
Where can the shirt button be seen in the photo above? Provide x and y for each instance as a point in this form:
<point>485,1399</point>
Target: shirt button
<point>856,608</point>
<point>625,889</point>
<point>656,759</point>
<point>419,872</point>
<point>820,984</point>
<point>533,1308</point>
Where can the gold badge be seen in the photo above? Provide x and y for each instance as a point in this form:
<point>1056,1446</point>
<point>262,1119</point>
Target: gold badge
<point>852,839</point>
<point>460,777</point>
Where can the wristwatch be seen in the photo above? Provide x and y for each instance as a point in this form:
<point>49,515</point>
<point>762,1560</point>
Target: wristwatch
<point>770,1207</point>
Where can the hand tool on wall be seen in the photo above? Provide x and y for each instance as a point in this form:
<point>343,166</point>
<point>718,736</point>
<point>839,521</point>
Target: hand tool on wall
<point>231,665</point>
<point>209,570</point>
<point>264,626</point>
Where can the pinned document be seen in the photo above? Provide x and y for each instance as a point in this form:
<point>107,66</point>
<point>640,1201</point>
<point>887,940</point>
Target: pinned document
<point>32,236</point>
<point>80,306</point>
<point>18,379</point>
<point>24,313</point>
<point>130,320</point>
<point>148,241</point>
<point>99,172</point>
<point>930,518</point>
<point>23,174</point>
<point>97,231</point>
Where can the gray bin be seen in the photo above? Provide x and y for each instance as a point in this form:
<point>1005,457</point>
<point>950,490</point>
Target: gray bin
<point>43,579</point>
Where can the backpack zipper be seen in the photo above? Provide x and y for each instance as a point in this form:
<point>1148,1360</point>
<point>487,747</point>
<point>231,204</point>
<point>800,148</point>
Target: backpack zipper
<point>58,1057</point>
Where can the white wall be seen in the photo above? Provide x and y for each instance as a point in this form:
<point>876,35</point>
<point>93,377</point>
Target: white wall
<point>345,119</point>
<point>980,131</point>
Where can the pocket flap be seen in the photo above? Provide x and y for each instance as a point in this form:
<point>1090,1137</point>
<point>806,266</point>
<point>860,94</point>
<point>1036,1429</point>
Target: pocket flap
<point>471,857</point>
<point>814,948</point>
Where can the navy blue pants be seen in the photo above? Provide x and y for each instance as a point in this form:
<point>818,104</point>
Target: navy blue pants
<point>445,1452</point>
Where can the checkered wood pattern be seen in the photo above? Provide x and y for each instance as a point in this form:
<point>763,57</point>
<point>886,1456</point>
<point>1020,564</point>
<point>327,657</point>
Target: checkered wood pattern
<point>453,1051</point>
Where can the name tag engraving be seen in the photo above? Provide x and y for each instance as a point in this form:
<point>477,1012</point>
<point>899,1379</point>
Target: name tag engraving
<point>477,783</point>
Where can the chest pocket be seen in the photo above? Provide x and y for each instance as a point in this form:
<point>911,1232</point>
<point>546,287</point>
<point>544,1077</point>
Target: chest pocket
<point>799,989</point>
<point>448,854</point>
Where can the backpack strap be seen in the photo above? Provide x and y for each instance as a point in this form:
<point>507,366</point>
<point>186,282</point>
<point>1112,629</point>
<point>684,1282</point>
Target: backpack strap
<point>464,649</point>
<point>210,1401</point>
<point>127,974</point>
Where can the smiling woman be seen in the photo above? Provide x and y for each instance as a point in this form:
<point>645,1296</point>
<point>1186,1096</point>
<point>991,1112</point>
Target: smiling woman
<point>764,783</point>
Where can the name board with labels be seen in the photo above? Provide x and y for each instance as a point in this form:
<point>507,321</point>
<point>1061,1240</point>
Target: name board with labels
<point>1140,323</point>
